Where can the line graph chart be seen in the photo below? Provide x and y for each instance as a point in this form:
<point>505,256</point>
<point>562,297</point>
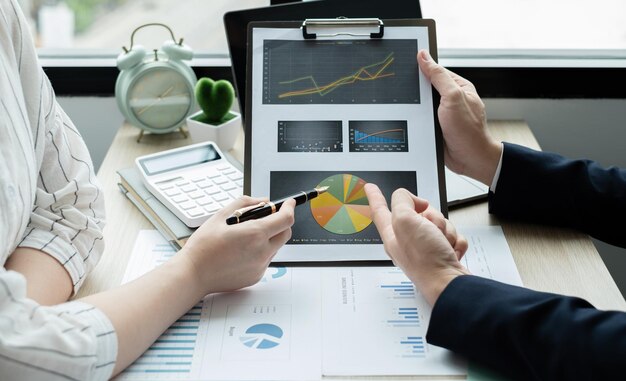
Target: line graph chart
<point>367,73</point>
<point>340,72</point>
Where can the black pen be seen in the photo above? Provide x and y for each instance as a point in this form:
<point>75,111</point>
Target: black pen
<point>266,208</point>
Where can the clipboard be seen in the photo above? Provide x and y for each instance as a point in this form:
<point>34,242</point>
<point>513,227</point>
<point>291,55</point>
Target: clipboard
<point>340,103</point>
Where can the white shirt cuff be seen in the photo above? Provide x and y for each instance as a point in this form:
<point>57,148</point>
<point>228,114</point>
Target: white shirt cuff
<point>496,176</point>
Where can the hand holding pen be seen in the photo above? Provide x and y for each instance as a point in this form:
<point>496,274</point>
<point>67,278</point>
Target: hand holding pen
<point>266,208</point>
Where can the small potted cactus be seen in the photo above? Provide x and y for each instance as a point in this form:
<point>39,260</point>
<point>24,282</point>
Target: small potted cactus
<point>215,121</point>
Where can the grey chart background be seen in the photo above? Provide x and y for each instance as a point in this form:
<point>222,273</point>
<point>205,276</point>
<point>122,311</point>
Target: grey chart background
<point>310,136</point>
<point>306,230</point>
<point>320,63</point>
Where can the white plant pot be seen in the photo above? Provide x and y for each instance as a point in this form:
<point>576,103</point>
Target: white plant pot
<point>224,135</point>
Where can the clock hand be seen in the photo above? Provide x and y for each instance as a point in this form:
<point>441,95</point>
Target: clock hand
<point>159,98</point>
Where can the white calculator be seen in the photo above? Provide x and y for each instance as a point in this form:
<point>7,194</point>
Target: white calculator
<point>193,182</point>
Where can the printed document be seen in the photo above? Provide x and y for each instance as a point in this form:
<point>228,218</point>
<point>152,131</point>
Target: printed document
<point>375,321</point>
<point>305,322</point>
<point>340,112</point>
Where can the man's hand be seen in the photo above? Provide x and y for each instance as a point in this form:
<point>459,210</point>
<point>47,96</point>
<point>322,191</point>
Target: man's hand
<point>419,240</point>
<point>469,149</point>
<point>228,257</point>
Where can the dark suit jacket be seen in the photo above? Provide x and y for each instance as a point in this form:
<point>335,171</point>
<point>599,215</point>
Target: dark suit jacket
<point>526,334</point>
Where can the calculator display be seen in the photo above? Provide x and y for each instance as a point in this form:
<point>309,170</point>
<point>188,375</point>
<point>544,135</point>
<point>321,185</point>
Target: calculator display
<point>178,160</point>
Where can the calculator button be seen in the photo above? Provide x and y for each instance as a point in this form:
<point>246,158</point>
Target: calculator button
<point>235,176</point>
<point>221,197</point>
<point>212,208</point>
<point>180,198</point>
<point>239,183</point>
<point>220,180</point>
<point>197,212</point>
<point>204,184</point>
<point>229,187</point>
<point>188,188</point>
<point>198,179</point>
<point>172,192</point>
<point>236,193</point>
<point>204,201</point>
<point>166,187</point>
<point>214,175</point>
<point>229,171</point>
<point>195,194</point>
<point>182,182</point>
<point>187,205</point>
<point>211,191</point>
<point>223,167</point>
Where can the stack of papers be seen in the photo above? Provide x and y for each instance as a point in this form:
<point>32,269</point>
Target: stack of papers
<point>305,323</point>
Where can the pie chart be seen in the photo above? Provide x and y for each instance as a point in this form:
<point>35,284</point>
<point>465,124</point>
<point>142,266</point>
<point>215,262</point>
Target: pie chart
<point>343,209</point>
<point>262,336</point>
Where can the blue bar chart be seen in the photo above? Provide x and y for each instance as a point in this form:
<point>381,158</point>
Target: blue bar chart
<point>378,136</point>
<point>400,290</point>
<point>413,347</point>
<point>164,252</point>
<point>172,353</point>
<point>405,317</point>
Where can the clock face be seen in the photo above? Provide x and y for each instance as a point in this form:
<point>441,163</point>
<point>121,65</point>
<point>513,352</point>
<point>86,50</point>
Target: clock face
<point>160,98</point>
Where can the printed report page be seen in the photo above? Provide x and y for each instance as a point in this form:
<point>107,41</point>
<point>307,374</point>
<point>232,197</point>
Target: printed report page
<point>341,113</point>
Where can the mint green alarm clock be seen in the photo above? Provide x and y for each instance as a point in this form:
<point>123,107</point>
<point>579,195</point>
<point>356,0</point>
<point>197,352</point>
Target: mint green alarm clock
<point>155,90</point>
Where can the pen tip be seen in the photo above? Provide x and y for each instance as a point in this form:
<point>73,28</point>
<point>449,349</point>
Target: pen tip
<point>321,189</point>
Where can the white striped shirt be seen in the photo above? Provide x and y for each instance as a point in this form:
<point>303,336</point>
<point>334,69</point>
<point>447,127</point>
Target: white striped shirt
<point>50,200</point>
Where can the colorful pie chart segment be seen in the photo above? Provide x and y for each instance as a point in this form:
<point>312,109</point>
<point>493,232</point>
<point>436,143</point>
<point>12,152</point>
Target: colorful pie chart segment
<point>343,209</point>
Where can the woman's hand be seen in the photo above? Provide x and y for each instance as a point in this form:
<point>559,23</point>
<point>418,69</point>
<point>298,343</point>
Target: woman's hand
<point>228,257</point>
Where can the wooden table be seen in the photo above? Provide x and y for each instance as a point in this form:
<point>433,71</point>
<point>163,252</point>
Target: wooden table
<point>548,259</point>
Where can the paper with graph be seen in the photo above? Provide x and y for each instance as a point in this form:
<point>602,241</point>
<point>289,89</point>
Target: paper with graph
<point>375,321</point>
<point>270,331</point>
<point>304,322</point>
<point>340,112</point>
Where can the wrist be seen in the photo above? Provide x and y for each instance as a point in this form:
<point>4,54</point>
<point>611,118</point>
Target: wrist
<point>437,282</point>
<point>488,162</point>
<point>187,272</point>
<point>435,288</point>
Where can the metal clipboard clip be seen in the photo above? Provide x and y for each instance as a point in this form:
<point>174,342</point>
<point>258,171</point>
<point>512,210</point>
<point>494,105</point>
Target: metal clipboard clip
<point>342,22</point>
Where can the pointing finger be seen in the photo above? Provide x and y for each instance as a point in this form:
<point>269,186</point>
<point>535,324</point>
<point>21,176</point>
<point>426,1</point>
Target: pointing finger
<point>378,205</point>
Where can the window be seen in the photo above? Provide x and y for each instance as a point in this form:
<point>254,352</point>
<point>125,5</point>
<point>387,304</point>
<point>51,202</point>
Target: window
<point>461,24</point>
<point>528,24</point>
<point>108,24</point>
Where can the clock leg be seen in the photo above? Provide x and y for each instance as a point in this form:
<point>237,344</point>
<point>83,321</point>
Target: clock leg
<point>140,136</point>
<point>183,132</point>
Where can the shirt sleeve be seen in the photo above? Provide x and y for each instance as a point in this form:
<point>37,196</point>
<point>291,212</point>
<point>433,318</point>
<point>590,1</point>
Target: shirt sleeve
<point>496,176</point>
<point>71,341</point>
<point>68,215</point>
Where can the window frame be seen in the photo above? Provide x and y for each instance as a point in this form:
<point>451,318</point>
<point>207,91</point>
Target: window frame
<point>496,73</point>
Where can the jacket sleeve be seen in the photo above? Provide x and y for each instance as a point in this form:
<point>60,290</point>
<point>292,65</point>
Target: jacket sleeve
<point>526,334</point>
<point>70,341</point>
<point>541,187</point>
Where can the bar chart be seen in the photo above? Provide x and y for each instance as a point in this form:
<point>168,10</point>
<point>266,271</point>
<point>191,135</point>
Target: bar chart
<point>310,136</point>
<point>171,356</point>
<point>382,302</point>
<point>405,317</point>
<point>378,136</point>
<point>413,346</point>
<point>400,290</point>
